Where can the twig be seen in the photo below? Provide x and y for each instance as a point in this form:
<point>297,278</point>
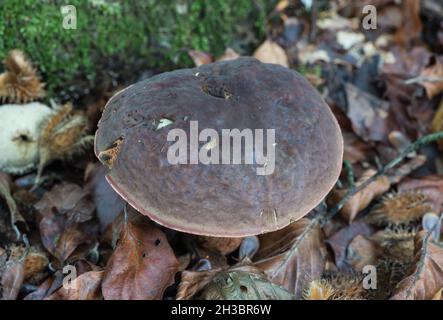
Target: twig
<point>421,79</point>
<point>324,216</point>
<point>350,174</point>
<point>314,13</point>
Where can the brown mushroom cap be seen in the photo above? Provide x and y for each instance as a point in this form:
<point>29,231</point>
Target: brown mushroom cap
<point>221,200</point>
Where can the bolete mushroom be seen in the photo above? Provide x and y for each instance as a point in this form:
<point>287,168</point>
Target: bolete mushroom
<point>216,199</point>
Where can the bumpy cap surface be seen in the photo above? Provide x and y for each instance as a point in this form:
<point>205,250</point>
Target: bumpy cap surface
<point>229,200</point>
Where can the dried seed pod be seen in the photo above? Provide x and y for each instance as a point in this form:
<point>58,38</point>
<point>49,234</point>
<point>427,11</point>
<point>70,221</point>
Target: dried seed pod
<point>395,260</point>
<point>345,286</point>
<point>63,136</point>
<point>318,290</point>
<point>20,128</point>
<point>20,83</point>
<point>397,243</point>
<point>400,208</point>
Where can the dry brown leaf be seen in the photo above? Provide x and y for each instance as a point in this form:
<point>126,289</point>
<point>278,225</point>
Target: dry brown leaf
<point>192,282</point>
<point>367,113</point>
<point>271,52</point>
<point>293,256</point>
<point>36,261</point>
<point>362,252</point>
<point>426,278</point>
<point>363,198</point>
<point>42,290</point>
<point>20,83</point>
<point>65,223</point>
<point>222,245</point>
<point>355,150</point>
<point>13,276</point>
<point>438,295</point>
<point>200,58</point>
<point>143,264</point>
<point>108,203</point>
<point>85,287</point>
<point>229,54</point>
<point>340,241</point>
<point>411,26</point>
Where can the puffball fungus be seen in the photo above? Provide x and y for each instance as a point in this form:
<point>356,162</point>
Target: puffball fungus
<point>215,199</point>
<point>20,127</point>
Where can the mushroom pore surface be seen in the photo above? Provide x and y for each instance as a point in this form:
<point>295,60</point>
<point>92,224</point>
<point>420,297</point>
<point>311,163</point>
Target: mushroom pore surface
<point>226,200</point>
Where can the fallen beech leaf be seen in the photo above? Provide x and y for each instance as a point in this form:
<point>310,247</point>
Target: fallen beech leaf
<point>411,26</point>
<point>200,58</point>
<point>143,264</point>
<point>222,245</point>
<point>68,199</point>
<point>192,282</point>
<point>214,258</point>
<point>405,169</point>
<point>13,276</point>
<point>66,212</point>
<point>108,203</point>
<point>271,52</point>
<point>244,283</point>
<point>85,287</point>
<point>362,252</point>
<point>432,79</point>
<point>42,290</point>
<point>291,257</point>
<point>274,243</point>
<point>355,150</point>
<point>431,186</point>
<point>35,260</point>
<point>229,54</point>
<point>367,113</point>
<point>340,241</point>
<point>427,277</point>
<point>438,295</point>
<point>363,198</point>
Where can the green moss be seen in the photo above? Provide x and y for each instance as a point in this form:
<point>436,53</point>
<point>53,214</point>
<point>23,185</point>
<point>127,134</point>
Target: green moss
<point>114,37</point>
